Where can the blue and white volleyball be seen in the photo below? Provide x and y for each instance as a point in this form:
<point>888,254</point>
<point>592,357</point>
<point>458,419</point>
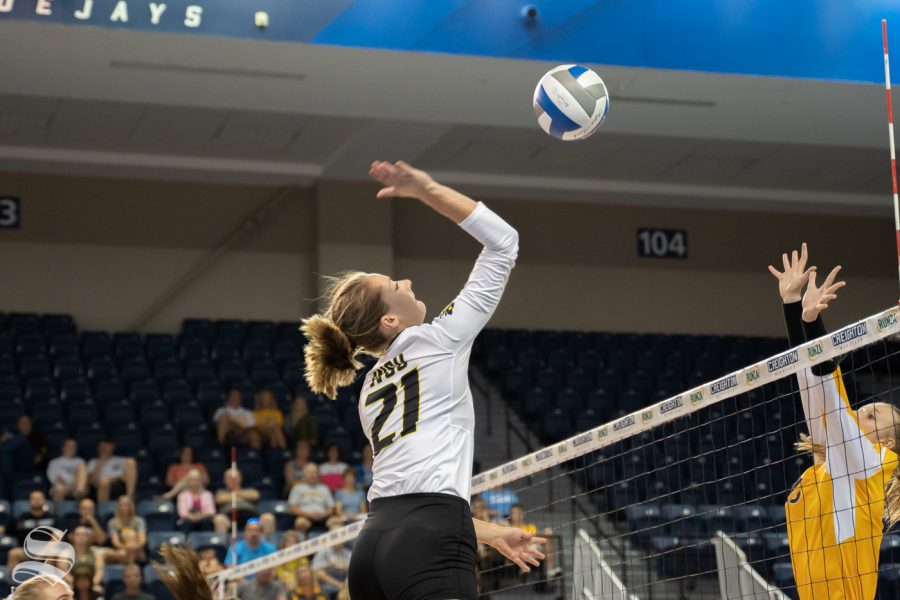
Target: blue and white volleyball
<point>570,102</point>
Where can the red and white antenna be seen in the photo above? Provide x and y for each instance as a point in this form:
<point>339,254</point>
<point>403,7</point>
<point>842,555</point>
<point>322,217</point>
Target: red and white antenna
<point>890,112</point>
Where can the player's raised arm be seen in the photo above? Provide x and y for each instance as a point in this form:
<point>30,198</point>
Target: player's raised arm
<point>790,287</point>
<point>463,318</point>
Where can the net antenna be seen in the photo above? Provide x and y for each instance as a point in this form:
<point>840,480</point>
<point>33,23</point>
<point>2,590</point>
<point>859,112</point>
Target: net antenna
<point>890,115</point>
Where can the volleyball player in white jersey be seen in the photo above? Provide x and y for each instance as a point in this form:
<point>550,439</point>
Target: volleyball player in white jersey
<point>416,407</point>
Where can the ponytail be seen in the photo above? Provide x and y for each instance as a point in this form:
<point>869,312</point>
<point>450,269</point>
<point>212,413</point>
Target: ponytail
<point>330,356</point>
<point>181,574</point>
<point>350,326</point>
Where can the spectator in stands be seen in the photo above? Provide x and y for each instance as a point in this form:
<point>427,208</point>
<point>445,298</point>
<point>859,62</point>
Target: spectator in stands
<point>22,450</point>
<point>15,557</point>
<point>111,476</point>
<point>331,472</point>
<point>310,501</point>
<point>127,533</point>
<point>269,420</point>
<point>209,562</point>
<point>251,547</point>
<point>175,475</point>
<point>196,506</point>
<point>305,586</point>
<point>87,517</point>
<point>67,474</point>
<point>499,501</point>
<point>286,572</point>
<point>246,501</point>
<point>350,501</point>
<point>364,470</point>
<point>293,469</point>
<point>304,426</point>
<point>263,587</point>
<point>83,584</point>
<point>480,510</point>
<point>131,577</point>
<point>37,515</point>
<point>331,565</point>
<point>235,424</point>
<point>88,556</point>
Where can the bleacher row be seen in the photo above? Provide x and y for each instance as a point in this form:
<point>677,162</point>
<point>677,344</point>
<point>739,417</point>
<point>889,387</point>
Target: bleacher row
<point>727,467</point>
<point>154,393</point>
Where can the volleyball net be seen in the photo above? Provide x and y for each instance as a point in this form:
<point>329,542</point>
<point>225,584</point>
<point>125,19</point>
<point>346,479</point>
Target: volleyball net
<point>681,499</point>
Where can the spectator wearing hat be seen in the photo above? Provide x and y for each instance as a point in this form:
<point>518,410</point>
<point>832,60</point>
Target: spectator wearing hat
<point>251,547</point>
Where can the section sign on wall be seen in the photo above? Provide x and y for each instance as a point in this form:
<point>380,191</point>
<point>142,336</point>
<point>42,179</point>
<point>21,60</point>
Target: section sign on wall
<point>9,212</point>
<point>662,243</point>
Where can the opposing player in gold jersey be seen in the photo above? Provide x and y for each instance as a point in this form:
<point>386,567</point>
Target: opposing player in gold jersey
<point>837,509</point>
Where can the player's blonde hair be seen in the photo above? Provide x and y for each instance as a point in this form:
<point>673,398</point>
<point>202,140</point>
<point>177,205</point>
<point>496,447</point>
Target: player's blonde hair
<point>891,487</point>
<point>182,575</point>
<point>32,589</point>
<point>351,325</point>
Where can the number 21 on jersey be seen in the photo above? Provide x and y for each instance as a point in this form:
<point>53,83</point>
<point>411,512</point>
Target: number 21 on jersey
<point>409,387</point>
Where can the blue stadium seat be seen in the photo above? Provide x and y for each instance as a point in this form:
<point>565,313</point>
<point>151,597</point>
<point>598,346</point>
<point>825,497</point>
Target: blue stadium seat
<point>113,576</point>
<point>155,539</point>
<point>117,415</point>
<point>783,575</point>
<point>160,346</point>
<point>340,436</point>
<point>191,349</point>
<point>127,438</point>
<point>499,359</point>
<point>25,484</point>
<point>560,359</point>
<point>644,520</point>
<point>159,514</point>
<point>548,379</point>
<point>536,402</point>
<point>63,346</point>
<point>264,374</point>
<point>286,353</point>
<point>67,367</point>
<point>188,414</point>
<point>223,350</point>
<point>95,343</point>
<point>101,369</point>
<point>157,588</point>
<point>30,345</point>
<point>621,495</point>
<point>201,329</point>
<point>82,414</point>
<point>162,441</point>
<point>681,521</point>
<point>145,393</point>
<point>777,546</point>
<point>134,369</point>
<point>590,360</point>
<point>569,401</point>
<point>88,437</point>
<point>128,345</point>
<point>256,351</point>
<point>177,392</point>
<point>40,390</point>
<point>166,370</point>
<point>199,372</point>
<point>201,540</point>
<point>231,372</point>
<point>46,412</point>
<point>199,437</point>
<point>230,329</point>
<point>74,390</point>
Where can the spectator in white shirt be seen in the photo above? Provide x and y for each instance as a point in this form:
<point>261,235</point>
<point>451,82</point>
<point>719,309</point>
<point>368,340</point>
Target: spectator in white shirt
<point>110,475</point>
<point>235,424</point>
<point>67,473</point>
<point>310,500</point>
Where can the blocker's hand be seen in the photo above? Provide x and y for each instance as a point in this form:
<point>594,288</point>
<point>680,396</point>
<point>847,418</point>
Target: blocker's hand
<point>400,180</point>
<point>795,275</point>
<point>816,299</point>
<point>517,546</point>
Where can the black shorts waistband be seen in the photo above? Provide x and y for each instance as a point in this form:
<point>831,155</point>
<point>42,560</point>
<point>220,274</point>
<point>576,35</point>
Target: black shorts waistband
<point>404,500</point>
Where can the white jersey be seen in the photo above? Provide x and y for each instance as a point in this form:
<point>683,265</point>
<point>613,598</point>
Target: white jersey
<point>416,406</point>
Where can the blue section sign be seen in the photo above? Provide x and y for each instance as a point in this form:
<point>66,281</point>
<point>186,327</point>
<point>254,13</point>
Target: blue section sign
<point>10,212</point>
<point>821,39</point>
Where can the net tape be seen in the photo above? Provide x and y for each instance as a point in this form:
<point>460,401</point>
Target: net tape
<point>862,333</point>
